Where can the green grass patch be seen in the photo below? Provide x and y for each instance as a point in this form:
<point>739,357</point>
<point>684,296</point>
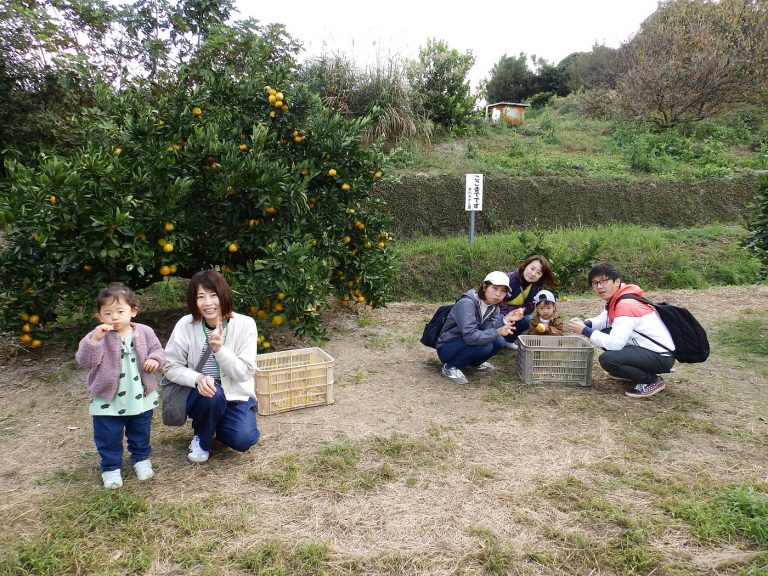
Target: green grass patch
<point>495,557</point>
<point>353,379</point>
<point>365,321</point>
<point>336,458</point>
<point>404,450</point>
<point>615,535</point>
<point>385,564</point>
<point>9,426</point>
<point>282,477</point>
<point>84,474</point>
<point>572,495</point>
<point>734,513</point>
<point>744,336</point>
<point>670,425</point>
<point>170,292</point>
<point>502,390</point>
<point>346,465</point>
<point>716,515</point>
<point>654,258</point>
<point>90,533</point>
<point>483,473</point>
<point>119,532</point>
<point>279,559</point>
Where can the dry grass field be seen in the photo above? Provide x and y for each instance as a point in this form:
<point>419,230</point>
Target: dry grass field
<point>410,474</point>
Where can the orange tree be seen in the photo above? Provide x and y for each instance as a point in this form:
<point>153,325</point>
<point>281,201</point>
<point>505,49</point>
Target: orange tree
<point>244,171</point>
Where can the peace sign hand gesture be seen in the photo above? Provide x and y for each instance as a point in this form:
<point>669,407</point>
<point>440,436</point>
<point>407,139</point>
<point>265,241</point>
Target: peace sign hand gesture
<point>216,338</point>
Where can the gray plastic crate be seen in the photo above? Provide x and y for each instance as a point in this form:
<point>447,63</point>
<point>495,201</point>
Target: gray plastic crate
<point>555,360</point>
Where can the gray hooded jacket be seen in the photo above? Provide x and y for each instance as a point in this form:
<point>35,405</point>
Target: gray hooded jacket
<point>464,322</point>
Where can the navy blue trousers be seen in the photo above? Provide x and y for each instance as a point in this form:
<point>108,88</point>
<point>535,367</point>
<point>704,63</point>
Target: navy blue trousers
<point>232,422</point>
<point>456,353</point>
<point>108,436</point>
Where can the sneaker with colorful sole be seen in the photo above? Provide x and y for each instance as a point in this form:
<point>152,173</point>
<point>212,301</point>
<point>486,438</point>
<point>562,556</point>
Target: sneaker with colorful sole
<point>646,390</point>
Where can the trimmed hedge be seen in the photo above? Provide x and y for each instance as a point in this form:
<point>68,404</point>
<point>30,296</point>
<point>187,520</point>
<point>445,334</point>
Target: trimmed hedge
<point>423,205</point>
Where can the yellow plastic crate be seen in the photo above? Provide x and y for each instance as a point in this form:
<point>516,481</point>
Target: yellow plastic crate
<point>555,359</point>
<point>293,379</point>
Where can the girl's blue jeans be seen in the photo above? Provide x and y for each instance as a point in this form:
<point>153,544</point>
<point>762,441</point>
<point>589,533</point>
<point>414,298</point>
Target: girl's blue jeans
<point>108,436</point>
<point>456,353</point>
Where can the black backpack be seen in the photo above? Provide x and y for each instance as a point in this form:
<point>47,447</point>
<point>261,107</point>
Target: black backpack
<point>434,327</point>
<point>691,343</point>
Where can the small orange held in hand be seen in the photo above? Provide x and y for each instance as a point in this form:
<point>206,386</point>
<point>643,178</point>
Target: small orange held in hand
<point>540,328</point>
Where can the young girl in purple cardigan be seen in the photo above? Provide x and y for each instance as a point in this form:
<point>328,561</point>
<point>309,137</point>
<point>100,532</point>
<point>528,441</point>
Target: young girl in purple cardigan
<point>121,356</point>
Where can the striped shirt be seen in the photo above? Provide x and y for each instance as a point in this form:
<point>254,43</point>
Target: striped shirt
<point>211,366</point>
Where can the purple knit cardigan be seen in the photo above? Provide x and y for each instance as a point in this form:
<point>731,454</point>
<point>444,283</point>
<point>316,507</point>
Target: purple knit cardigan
<point>103,359</point>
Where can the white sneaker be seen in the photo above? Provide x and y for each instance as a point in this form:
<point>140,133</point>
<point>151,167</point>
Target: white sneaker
<point>143,470</point>
<point>454,374</point>
<point>485,367</point>
<point>511,345</point>
<point>112,479</point>
<point>197,454</point>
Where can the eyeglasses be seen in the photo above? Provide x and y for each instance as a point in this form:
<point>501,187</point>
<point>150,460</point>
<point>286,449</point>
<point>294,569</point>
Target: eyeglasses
<point>603,282</point>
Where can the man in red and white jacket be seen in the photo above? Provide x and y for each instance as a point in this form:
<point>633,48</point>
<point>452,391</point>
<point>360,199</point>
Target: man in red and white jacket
<point>624,330</point>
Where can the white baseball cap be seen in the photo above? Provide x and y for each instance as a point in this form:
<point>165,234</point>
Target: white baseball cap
<point>497,279</point>
<point>544,296</point>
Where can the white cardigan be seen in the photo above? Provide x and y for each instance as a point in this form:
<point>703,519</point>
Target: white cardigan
<point>236,357</point>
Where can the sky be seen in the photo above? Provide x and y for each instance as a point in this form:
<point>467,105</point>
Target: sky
<point>371,33</point>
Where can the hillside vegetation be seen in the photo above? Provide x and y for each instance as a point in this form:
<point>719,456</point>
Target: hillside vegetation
<point>560,140</point>
<point>557,142</point>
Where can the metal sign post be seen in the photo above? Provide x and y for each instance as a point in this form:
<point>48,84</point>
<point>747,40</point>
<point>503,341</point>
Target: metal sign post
<point>473,200</point>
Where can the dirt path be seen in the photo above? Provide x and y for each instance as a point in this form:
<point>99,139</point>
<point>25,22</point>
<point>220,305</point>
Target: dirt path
<point>449,466</point>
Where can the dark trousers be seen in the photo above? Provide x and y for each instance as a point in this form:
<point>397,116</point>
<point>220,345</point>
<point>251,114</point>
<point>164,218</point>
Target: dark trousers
<point>108,436</point>
<point>233,422</point>
<point>456,353</point>
<point>637,364</point>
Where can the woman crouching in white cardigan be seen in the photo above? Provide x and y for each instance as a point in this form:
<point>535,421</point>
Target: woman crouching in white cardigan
<point>223,399</point>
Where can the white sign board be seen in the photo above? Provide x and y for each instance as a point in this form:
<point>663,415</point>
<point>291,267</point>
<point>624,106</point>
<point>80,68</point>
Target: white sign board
<point>474,189</point>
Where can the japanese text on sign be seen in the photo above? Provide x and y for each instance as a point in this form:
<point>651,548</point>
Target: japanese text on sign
<point>474,197</point>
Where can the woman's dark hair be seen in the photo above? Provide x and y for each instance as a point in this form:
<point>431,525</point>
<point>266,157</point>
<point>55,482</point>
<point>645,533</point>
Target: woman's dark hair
<point>210,281</point>
<point>483,287</point>
<point>481,290</point>
<point>604,269</point>
<point>547,278</point>
<point>116,291</point>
